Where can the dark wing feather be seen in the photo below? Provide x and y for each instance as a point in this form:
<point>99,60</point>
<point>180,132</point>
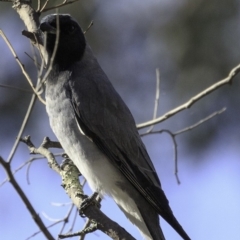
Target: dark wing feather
<point>104,118</point>
<point>139,176</point>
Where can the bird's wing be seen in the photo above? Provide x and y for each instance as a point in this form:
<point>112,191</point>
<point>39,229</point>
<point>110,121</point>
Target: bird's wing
<point>107,121</point>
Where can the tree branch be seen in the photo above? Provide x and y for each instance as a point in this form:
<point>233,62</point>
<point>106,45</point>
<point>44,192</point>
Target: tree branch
<point>64,3</point>
<point>70,182</point>
<point>35,216</point>
<point>35,90</point>
<point>191,101</point>
<point>174,134</point>
<point>24,123</point>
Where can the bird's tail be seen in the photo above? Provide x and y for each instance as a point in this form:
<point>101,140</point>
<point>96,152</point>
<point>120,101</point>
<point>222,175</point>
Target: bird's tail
<point>150,217</point>
<point>161,204</point>
<point>176,225</point>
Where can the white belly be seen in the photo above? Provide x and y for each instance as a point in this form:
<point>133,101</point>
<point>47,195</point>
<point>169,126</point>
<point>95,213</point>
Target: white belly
<point>91,162</point>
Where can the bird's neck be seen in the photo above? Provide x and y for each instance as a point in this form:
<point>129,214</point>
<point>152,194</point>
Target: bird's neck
<point>58,74</point>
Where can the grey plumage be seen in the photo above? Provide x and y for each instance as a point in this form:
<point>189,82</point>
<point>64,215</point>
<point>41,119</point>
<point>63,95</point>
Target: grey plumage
<point>98,132</point>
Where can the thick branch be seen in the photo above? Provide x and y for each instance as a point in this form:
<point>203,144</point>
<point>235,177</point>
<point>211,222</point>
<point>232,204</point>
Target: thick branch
<point>70,181</point>
<point>30,17</point>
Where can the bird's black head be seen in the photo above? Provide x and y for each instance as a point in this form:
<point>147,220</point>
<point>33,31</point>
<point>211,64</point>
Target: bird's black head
<point>71,42</point>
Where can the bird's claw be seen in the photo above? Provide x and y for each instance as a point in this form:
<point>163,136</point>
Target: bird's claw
<point>87,202</point>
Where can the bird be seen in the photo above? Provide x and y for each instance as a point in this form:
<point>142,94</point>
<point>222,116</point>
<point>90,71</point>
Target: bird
<point>97,130</point>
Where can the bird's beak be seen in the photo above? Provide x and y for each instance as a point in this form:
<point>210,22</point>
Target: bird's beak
<point>48,28</point>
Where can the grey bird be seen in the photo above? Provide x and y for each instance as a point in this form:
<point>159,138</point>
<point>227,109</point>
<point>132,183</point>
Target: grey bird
<point>97,130</point>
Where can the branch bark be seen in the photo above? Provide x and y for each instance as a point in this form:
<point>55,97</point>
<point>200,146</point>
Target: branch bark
<point>70,182</point>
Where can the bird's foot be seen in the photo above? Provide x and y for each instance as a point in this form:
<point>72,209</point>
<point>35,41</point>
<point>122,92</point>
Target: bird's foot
<point>89,201</point>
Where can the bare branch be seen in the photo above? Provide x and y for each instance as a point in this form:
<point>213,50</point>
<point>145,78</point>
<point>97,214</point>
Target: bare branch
<point>21,167</point>
<point>74,220</point>
<point>200,122</point>
<point>21,66</point>
<point>64,220</point>
<point>64,3</point>
<point>191,101</point>
<point>44,5</point>
<point>33,59</point>
<point>91,228</point>
<point>157,96</point>
<point>35,216</point>
<point>28,15</point>
<point>43,151</point>
<point>173,136</point>
<point>88,28</point>
<point>31,20</point>
<point>24,123</point>
<point>175,158</point>
<point>15,88</point>
<point>50,64</point>
<point>157,93</point>
<point>30,36</point>
<point>70,182</point>
<point>38,6</point>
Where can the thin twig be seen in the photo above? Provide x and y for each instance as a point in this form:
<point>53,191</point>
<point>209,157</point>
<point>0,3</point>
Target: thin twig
<point>24,123</point>
<point>60,204</point>
<point>54,50</point>
<point>157,93</point>
<point>64,3</point>
<point>49,226</point>
<point>21,66</point>
<point>43,63</point>
<point>56,221</point>
<point>157,96</point>
<point>74,220</point>
<point>51,219</point>
<point>28,173</point>
<point>66,218</point>
<point>16,170</point>
<point>35,216</point>
<point>89,26</point>
<point>43,150</point>
<point>91,228</point>
<point>193,100</point>
<point>33,58</point>
<point>175,155</point>
<point>15,88</point>
<point>44,5</point>
<point>200,122</point>
<point>39,5</point>
<point>173,136</point>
